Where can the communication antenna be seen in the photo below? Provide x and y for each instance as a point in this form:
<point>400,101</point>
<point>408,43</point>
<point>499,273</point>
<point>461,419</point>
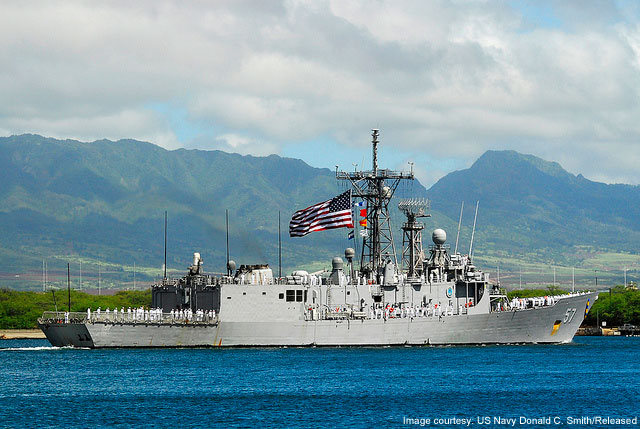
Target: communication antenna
<point>459,224</point>
<point>279,248</point>
<point>69,285</point>
<point>53,292</point>
<point>412,253</point>
<point>376,187</point>
<point>227,226</point>
<point>473,231</point>
<point>375,133</point>
<point>165,246</point>
<point>521,277</point>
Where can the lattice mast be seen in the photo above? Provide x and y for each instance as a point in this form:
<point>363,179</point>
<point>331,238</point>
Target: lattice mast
<point>412,252</point>
<point>376,187</point>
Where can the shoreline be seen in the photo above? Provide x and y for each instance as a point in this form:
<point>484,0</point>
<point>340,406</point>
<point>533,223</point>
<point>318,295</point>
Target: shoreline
<point>21,334</point>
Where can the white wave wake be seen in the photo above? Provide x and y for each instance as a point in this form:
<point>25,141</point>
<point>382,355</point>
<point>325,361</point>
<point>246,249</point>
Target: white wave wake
<point>29,349</point>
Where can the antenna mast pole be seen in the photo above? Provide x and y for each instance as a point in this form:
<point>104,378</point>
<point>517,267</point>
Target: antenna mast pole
<point>226,212</point>
<point>374,141</point>
<point>53,292</point>
<point>376,187</point>
<point>69,285</point>
<point>459,225</point>
<point>474,230</point>
<point>279,248</point>
<point>165,247</point>
<point>412,252</point>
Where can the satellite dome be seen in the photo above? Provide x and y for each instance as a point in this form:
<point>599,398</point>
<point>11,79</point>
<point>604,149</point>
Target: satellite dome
<point>349,253</point>
<point>439,236</point>
<point>231,265</point>
<point>386,192</point>
<point>337,263</point>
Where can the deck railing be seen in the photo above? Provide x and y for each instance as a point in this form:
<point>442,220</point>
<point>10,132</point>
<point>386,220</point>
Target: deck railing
<point>127,317</point>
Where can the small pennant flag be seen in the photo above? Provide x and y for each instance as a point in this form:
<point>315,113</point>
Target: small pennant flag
<point>363,222</point>
<point>364,233</point>
<point>351,235</point>
<point>360,204</point>
<point>363,212</point>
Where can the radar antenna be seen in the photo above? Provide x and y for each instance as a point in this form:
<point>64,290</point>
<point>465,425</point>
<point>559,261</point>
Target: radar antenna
<point>376,187</point>
<point>473,231</point>
<point>412,253</point>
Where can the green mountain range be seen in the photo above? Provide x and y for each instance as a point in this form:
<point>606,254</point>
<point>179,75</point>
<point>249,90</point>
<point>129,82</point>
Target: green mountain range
<point>102,205</point>
<point>536,215</point>
<point>104,202</point>
<point>527,203</point>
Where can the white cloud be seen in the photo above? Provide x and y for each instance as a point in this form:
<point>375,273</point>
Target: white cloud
<point>244,145</point>
<point>447,79</point>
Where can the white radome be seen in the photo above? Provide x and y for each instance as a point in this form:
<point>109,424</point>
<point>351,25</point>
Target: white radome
<point>439,236</point>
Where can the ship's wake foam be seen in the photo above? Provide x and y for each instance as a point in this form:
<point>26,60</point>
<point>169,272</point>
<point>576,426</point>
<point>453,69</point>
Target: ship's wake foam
<point>30,349</point>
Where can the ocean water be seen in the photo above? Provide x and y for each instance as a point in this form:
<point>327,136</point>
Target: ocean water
<point>592,377</point>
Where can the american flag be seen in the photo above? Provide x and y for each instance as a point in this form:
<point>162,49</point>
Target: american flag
<point>330,214</point>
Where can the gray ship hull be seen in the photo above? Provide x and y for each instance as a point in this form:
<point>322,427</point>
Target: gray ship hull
<point>552,324</point>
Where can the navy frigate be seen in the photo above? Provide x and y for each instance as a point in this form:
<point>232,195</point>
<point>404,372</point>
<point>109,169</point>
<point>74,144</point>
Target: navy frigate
<point>434,296</point>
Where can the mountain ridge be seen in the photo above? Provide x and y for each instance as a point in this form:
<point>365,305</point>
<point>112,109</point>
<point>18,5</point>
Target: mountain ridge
<point>105,201</point>
<point>570,209</point>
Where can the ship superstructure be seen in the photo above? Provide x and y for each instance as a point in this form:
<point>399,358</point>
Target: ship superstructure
<point>438,297</point>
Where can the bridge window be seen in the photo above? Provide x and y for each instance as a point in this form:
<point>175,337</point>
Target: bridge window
<point>291,295</point>
<point>295,295</point>
<point>281,296</point>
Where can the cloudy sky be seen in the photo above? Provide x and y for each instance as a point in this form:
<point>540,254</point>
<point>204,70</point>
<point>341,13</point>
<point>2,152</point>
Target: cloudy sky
<point>443,80</point>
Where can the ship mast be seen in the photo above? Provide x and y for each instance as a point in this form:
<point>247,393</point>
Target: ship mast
<point>412,252</point>
<point>376,187</point>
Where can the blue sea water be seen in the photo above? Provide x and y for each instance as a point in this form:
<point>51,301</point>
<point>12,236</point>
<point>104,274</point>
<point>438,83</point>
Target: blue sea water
<point>41,386</point>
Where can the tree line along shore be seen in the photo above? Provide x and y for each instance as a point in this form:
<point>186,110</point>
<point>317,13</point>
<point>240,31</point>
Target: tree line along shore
<point>20,310</point>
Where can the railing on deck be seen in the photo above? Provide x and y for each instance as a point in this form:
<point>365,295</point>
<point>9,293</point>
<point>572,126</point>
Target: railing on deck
<point>289,281</point>
<point>129,318</point>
